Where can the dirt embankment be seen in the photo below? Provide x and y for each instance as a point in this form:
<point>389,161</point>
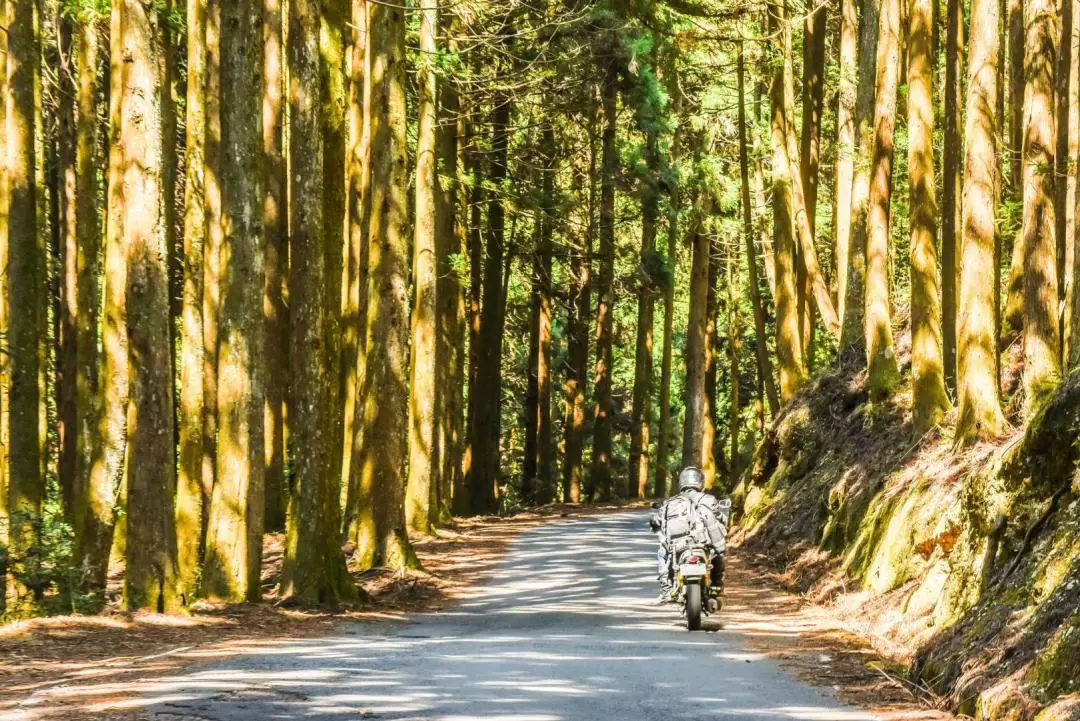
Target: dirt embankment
<point>963,566</point>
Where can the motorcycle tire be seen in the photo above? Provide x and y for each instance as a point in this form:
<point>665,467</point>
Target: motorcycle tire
<point>693,607</point>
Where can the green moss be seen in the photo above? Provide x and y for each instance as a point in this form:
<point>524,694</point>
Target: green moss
<point>1057,669</point>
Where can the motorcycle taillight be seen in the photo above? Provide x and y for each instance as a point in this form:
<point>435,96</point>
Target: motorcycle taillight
<point>695,559</point>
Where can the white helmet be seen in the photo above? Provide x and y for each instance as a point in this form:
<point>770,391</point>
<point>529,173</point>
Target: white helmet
<point>691,477</point>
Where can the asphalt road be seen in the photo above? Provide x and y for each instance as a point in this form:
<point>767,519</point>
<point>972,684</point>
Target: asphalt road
<point>565,630</point>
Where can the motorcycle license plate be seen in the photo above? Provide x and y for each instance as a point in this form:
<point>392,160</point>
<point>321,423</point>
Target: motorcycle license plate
<point>692,570</point>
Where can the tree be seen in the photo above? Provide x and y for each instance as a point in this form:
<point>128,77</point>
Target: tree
<point>5,377</point>
<point>386,400</point>
<point>979,413</point>
<point>845,146</point>
<point>952,187</point>
<point>813,96</point>
<point>852,336</point>
<point>237,506</point>
<point>788,339</point>
<point>192,497</point>
<point>26,322</point>
<point>1042,339</point>
<point>421,430</point>
<point>930,401</point>
<point>697,407</point>
<point>314,568</point>
<point>600,475</point>
<point>883,373</point>
<point>151,577</point>
<point>544,492</point>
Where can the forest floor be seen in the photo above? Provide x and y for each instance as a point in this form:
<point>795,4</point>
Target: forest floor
<point>49,667</point>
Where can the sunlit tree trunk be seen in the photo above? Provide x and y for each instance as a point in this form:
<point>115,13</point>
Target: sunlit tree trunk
<point>449,293</point>
<point>600,474</point>
<point>5,378</point>
<point>813,96</point>
<point>544,492</point>
<point>979,413</point>
<point>26,299</point>
<point>643,367</point>
<point>103,529</point>
<point>235,524</point>
<point>1067,280</point>
<point>1016,93</point>
<point>358,211</point>
<point>734,349</point>
<point>845,146</point>
<point>275,264</point>
<point>66,277</point>
<point>930,401</point>
<point>712,451</point>
<point>421,428</point>
<point>471,157</point>
<point>314,567</point>
<point>1042,339</point>
<point>883,372</point>
<point>577,372</point>
<point>211,300</point>
<point>852,340</point>
<point>1064,176</point>
<point>788,344</point>
<point>150,578</point>
<point>951,189</point>
<point>386,400</point>
<point>191,497</point>
<point>756,301</point>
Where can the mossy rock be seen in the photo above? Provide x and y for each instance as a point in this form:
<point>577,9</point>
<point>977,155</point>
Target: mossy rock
<point>1057,670</point>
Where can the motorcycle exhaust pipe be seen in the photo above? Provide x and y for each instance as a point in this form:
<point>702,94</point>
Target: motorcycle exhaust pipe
<point>714,605</point>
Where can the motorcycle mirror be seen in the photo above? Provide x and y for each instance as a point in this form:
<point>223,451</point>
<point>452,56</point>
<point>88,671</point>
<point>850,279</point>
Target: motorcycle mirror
<point>655,504</point>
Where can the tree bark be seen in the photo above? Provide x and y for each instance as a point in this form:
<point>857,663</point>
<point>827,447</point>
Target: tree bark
<point>421,429</point>
<point>314,567</point>
<point>696,404</point>
<point>191,497</point>
<point>544,492</point>
<point>979,414</point>
<point>237,507</point>
<point>813,97</point>
<point>150,578</point>
<point>852,341</point>
<point>883,372</point>
<point>952,187</point>
<point>845,149</point>
<point>756,301</point>
<point>386,401</point>
<point>275,265</point>
<point>930,401</point>
<point>1016,94</point>
<point>26,323</point>
<point>600,473</point>
<point>1042,338</point>
<point>5,377</point>
<point>66,280</point>
<point>641,407</point>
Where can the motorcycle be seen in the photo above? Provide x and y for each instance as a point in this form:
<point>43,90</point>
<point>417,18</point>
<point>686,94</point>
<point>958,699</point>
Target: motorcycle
<point>692,589</point>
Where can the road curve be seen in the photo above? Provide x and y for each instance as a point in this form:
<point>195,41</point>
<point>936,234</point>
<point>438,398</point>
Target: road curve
<point>565,630</point>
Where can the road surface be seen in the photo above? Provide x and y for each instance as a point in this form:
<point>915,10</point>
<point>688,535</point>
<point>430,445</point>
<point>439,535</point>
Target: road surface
<point>565,630</point>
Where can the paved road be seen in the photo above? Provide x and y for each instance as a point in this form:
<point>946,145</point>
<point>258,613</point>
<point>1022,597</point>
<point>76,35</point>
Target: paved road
<point>564,631</point>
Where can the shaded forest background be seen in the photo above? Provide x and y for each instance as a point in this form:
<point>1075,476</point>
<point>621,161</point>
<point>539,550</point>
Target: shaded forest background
<point>347,270</point>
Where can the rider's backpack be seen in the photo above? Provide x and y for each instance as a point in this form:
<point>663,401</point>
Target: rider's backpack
<point>681,522</point>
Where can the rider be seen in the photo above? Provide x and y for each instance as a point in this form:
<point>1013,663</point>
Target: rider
<point>712,516</point>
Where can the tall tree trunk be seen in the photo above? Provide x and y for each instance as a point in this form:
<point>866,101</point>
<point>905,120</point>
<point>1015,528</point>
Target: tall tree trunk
<point>1067,281</point>
<point>1042,339</point>
<point>358,204</point>
<point>951,189</point>
<point>386,401</point>
<point>1016,94</point>
<point>930,401</point>
<point>421,429</point>
<point>696,404</point>
<point>663,434</point>
<point>26,323</point>
<point>314,567</point>
<point>66,279</point>
<point>813,96</point>
<point>5,378</point>
<point>845,147</point>
<point>275,264</point>
<point>191,497</point>
<point>852,340</point>
<point>1064,177</point>
<point>761,345</point>
<point>883,372</point>
<point>150,578</point>
<point>544,440</point>
<point>486,422</point>
<point>979,414</point>
<point>532,380</point>
<point>600,473</point>
<point>104,530</point>
<point>577,371</point>
<point>788,344</point>
<point>734,350</point>
<point>237,506</point>
<point>643,367</point>
<point>449,292</point>
<point>712,452</point>
<point>471,157</point>
<point>211,300</point>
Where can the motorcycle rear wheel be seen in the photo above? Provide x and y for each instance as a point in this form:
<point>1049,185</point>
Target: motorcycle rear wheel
<point>693,607</point>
